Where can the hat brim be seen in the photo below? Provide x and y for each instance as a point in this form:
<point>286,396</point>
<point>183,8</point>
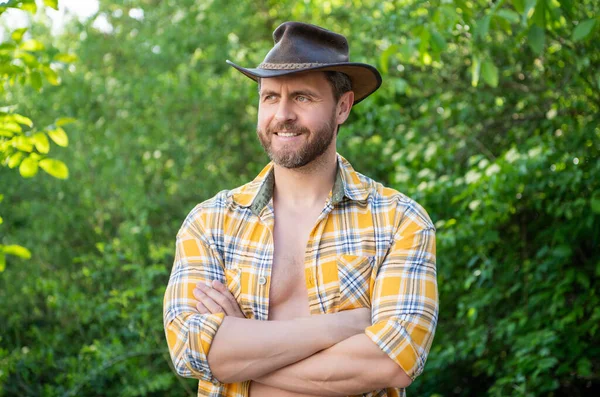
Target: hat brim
<point>365,78</point>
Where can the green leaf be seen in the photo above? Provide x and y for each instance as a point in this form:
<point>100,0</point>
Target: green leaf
<point>385,56</point>
<point>2,261</point>
<point>509,15</point>
<point>562,251</point>
<point>472,313</point>
<point>52,3</point>
<point>539,14</point>
<point>17,34</point>
<point>567,7</point>
<point>584,367</point>
<point>519,5</point>
<point>28,168</point>
<point>32,45</point>
<point>28,59</point>
<point>59,136</point>
<point>64,121</point>
<point>23,143</point>
<point>1,220</point>
<point>595,202</point>
<point>51,76</point>
<point>29,7</point>
<point>7,48</point>
<point>54,167</point>
<point>21,119</point>
<point>15,160</point>
<point>536,38</point>
<point>529,5</point>
<point>11,126</point>
<point>406,51</point>
<point>475,70</point>
<point>438,43</point>
<point>65,58</point>
<point>483,26</point>
<point>17,250</point>
<point>424,36</point>
<point>583,29</point>
<point>36,80</point>
<point>502,24</point>
<point>11,71</point>
<point>489,71</point>
<point>546,363</point>
<point>40,140</point>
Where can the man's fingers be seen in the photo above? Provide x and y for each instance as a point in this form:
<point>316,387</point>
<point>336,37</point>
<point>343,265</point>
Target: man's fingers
<point>207,301</point>
<point>201,308</point>
<point>235,307</point>
<point>223,289</point>
<point>218,298</point>
<point>198,294</point>
<point>221,296</point>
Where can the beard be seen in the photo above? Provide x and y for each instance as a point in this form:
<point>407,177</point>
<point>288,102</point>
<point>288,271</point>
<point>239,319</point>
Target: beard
<point>290,157</point>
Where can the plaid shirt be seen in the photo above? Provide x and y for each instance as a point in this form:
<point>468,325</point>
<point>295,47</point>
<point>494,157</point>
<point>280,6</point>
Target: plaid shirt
<point>371,247</point>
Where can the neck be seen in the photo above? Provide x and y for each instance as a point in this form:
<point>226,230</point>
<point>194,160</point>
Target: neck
<point>308,185</point>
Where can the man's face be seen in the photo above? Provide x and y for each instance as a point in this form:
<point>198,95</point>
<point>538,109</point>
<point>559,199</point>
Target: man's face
<point>297,118</point>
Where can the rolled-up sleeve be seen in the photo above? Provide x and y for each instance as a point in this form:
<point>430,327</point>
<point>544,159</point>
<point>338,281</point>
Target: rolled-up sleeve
<point>189,333</point>
<point>404,299</point>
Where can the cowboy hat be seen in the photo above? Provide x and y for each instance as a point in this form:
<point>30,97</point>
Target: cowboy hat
<point>302,47</point>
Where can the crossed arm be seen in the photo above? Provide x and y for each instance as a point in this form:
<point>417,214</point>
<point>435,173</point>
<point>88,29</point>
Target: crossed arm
<point>332,354</point>
<point>325,355</point>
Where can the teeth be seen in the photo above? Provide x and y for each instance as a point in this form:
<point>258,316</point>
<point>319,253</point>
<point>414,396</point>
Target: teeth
<point>287,134</point>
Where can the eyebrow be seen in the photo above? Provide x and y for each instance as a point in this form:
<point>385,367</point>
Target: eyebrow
<point>268,92</point>
<point>304,93</point>
<point>293,93</point>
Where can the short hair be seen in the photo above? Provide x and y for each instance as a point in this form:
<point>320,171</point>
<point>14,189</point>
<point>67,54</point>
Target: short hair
<point>340,83</point>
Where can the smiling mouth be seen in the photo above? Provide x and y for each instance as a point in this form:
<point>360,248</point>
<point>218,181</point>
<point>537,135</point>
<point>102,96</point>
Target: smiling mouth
<point>287,134</point>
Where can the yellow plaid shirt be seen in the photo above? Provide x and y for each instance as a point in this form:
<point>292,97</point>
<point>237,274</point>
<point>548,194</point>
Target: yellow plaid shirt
<point>371,247</point>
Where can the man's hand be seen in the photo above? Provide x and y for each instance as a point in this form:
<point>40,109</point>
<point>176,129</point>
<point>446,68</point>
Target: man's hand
<point>216,298</point>
<point>243,349</point>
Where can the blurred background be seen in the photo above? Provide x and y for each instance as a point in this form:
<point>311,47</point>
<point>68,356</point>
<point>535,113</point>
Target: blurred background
<point>118,116</point>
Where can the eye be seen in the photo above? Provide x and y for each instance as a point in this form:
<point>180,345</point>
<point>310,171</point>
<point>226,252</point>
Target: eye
<point>267,98</point>
<point>302,98</point>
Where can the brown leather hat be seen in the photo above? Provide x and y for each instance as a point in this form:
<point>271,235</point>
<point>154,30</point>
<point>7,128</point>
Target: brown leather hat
<point>301,47</point>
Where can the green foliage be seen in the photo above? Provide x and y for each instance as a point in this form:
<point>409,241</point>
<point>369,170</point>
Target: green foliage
<point>488,117</point>
<point>583,30</point>
<point>24,62</point>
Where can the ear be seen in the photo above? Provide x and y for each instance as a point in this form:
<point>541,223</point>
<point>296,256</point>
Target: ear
<point>344,106</point>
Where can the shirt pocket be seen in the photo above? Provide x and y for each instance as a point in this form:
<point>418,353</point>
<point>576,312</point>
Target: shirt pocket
<point>355,275</point>
<point>234,284</point>
<point>232,281</point>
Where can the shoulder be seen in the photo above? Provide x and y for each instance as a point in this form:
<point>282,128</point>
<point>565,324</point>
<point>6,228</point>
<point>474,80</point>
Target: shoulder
<point>397,205</point>
<point>209,214</point>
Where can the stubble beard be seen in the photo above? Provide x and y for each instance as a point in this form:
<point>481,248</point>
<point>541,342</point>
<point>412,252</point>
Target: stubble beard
<point>288,157</point>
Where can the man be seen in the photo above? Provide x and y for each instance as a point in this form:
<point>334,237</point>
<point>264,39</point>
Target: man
<point>342,267</point>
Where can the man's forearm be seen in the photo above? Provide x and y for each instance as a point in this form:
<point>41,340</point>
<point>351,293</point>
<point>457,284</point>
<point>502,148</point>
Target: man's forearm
<point>353,366</point>
<point>245,349</point>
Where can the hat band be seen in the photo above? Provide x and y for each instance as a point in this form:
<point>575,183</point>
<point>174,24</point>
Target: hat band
<point>289,66</point>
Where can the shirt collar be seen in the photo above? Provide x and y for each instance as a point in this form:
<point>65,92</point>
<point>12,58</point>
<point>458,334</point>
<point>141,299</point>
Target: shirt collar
<point>258,193</point>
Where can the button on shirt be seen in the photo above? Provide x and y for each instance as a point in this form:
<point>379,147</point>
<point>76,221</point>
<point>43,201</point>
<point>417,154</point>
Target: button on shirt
<point>370,247</point>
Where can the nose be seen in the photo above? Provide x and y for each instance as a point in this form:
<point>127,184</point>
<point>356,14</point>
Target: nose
<point>285,111</point>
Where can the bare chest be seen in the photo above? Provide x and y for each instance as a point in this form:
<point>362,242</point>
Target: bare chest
<point>288,297</point>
